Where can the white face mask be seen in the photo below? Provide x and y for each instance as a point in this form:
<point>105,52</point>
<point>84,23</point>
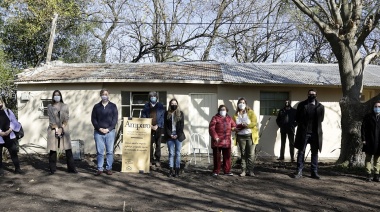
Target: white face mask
<point>241,106</point>
<point>57,98</point>
<point>223,113</point>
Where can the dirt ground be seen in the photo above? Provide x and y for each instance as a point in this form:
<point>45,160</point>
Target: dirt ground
<point>272,189</point>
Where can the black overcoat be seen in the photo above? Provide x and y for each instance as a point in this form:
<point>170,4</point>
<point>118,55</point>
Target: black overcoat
<point>370,131</point>
<point>302,120</point>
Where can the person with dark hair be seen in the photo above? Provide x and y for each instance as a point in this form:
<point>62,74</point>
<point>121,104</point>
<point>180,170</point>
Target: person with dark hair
<point>58,133</point>
<point>104,118</point>
<point>286,121</point>
<point>156,111</point>
<point>247,136</point>
<point>370,132</point>
<point>9,125</point>
<point>174,125</point>
<point>220,128</point>
<point>309,117</point>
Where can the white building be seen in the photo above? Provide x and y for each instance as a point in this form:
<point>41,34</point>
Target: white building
<point>200,87</point>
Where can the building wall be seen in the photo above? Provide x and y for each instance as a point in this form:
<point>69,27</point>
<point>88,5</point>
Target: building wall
<point>81,99</point>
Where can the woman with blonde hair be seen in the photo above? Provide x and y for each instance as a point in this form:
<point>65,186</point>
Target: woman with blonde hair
<point>9,125</point>
<point>247,135</point>
<point>174,124</point>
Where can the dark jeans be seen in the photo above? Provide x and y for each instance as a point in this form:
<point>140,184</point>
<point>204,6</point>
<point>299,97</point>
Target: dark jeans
<point>10,144</point>
<point>313,141</point>
<point>291,144</point>
<point>156,139</point>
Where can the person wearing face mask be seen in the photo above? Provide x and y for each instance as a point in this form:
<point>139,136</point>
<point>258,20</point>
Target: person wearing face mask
<point>8,125</point>
<point>156,111</point>
<point>286,121</point>
<point>309,117</point>
<point>247,136</point>
<point>104,118</point>
<point>58,133</point>
<point>370,133</point>
<point>220,128</point>
<point>174,125</point>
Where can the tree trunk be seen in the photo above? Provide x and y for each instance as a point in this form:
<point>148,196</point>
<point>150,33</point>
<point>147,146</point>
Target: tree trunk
<point>351,143</point>
<point>352,110</point>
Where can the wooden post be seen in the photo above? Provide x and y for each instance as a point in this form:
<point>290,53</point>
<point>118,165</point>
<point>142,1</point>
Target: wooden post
<point>51,39</point>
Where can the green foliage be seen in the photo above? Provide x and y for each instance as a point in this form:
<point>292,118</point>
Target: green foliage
<point>7,87</point>
<point>26,31</point>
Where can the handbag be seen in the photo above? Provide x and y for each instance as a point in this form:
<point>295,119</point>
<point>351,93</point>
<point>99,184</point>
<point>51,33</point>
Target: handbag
<point>19,134</point>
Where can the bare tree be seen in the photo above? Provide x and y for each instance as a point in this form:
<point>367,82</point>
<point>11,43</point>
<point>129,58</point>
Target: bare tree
<point>262,33</point>
<point>347,26</point>
<point>106,16</point>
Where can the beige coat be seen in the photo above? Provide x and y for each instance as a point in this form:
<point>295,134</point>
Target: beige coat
<point>56,121</point>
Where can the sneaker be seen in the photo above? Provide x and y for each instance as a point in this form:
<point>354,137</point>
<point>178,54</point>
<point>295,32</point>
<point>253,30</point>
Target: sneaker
<point>280,158</point>
<point>292,160</point>
<point>214,174</point>
<point>242,174</point>
<point>97,173</point>
<point>298,175</point>
<point>158,164</point>
<point>109,172</point>
<point>229,174</point>
<point>251,174</point>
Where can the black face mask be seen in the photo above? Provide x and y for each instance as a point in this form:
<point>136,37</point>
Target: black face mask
<point>173,107</point>
<point>311,98</point>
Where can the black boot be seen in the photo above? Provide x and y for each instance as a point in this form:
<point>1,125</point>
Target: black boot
<point>376,178</point>
<point>369,177</point>
<point>176,172</point>
<point>70,162</point>
<point>170,172</point>
<point>52,161</point>
<point>315,175</point>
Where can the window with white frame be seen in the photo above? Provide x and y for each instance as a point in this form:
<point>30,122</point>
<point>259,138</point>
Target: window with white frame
<point>271,102</point>
<point>43,107</point>
<point>133,102</point>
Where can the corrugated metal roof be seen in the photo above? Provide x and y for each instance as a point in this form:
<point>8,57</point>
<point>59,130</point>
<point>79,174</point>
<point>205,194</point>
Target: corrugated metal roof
<point>248,73</point>
<point>140,71</point>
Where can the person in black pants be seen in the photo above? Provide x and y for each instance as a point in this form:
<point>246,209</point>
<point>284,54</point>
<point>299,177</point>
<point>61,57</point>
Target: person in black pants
<point>286,121</point>
<point>8,123</point>
<point>156,111</point>
<point>309,117</point>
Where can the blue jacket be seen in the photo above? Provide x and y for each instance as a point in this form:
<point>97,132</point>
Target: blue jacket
<point>145,113</point>
<point>104,117</point>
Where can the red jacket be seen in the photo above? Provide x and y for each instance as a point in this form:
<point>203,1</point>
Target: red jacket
<point>220,127</point>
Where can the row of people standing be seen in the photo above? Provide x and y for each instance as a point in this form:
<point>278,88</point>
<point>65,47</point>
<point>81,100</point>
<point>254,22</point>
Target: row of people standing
<point>166,125</point>
<point>309,116</point>
<point>244,123</point>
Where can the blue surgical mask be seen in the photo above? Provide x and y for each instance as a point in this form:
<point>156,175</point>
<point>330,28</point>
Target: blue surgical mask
<point>153,99</point>
<point>57,98</point>
<point>104,98</point>
<point>376,110</point>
